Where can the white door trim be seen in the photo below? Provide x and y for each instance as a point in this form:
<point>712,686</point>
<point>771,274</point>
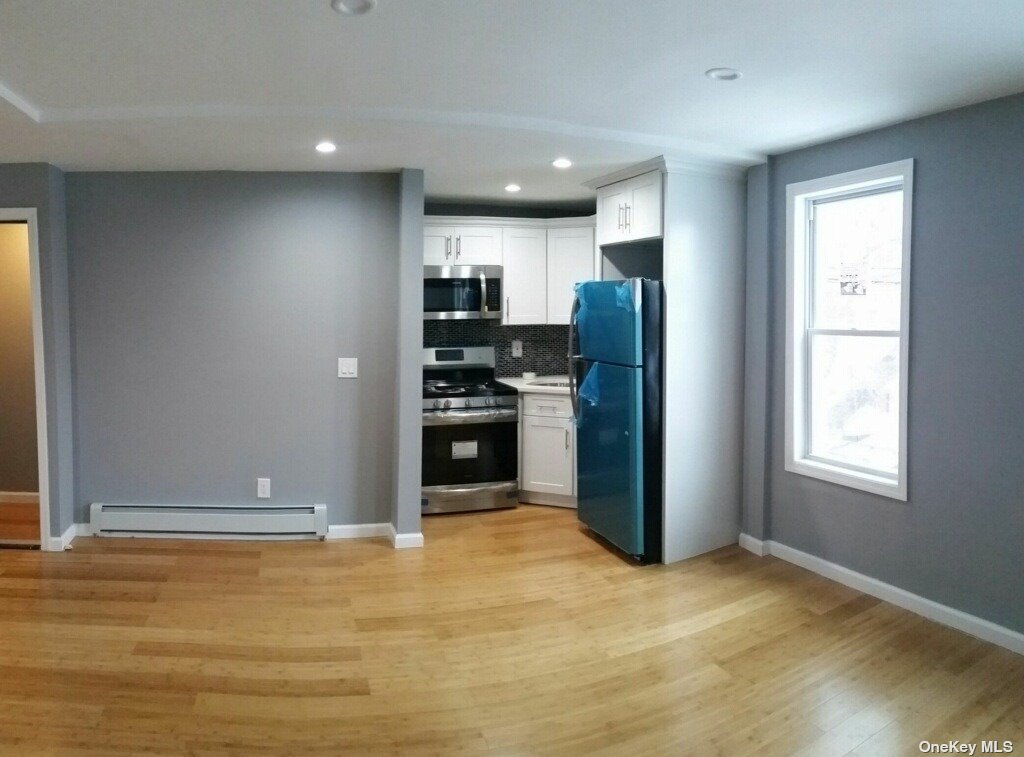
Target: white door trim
<point>30,216</point>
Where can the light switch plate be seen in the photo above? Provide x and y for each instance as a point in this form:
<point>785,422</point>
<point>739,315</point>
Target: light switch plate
<point>348,367</point>
<point>263,488</point>
<point>517,348</point>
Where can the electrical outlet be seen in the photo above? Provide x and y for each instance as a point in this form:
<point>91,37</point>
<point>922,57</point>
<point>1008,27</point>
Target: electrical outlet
<point>348,367</point>
<point>517,348</point>
<point>263,488</point>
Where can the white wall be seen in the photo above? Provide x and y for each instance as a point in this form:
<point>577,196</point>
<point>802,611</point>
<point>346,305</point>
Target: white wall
<point>703,415</point>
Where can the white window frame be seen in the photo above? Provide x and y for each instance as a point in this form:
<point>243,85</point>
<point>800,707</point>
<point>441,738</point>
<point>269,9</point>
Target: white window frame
<point>799,199</point>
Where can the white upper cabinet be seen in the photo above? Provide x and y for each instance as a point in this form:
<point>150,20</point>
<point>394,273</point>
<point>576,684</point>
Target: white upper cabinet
<point>461,245</point>
<point>477,245</point>
<point>542,259</point>
<point>438,245</point>
<point>629,210</point>
<point>570,260</point>
<point>643,206</point>
<point>524,257</point>
<point>611,204</point>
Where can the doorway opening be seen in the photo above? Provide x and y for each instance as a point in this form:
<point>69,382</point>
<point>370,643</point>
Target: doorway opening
<point>23,491</point>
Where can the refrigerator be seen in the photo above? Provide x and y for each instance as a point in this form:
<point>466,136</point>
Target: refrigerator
<point>615,384</point>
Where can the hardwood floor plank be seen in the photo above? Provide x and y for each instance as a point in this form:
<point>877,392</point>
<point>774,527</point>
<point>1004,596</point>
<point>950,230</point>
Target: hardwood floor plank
<point>511,632</point>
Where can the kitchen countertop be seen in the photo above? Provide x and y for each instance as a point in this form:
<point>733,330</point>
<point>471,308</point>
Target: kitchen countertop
<point>529,386</point>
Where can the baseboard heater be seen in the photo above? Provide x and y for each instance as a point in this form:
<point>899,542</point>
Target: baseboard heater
<point>210,521</point>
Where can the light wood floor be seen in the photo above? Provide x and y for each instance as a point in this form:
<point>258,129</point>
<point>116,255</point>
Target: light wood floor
<point>19,522</point>
<point>511,632</point>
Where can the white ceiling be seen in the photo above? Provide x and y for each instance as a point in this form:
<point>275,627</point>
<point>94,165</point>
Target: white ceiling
<point>480,92</point>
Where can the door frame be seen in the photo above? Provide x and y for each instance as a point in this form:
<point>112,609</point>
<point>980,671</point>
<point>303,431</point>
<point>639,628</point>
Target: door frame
<point>30,217</point>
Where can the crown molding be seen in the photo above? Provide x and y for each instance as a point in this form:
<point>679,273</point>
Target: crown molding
<point>503,221</point>
<point>690,166</point>
<point>122,113</point>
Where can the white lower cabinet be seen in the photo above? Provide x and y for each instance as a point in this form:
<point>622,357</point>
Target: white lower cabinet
<point>547,453</point>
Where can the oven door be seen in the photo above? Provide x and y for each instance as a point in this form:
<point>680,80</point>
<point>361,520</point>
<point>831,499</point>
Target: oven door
<point>461,292</point>
<point>463,447</point>
<point>470,460</point>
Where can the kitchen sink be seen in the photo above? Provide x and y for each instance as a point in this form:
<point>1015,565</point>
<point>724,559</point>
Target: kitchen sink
<point>560,384</point>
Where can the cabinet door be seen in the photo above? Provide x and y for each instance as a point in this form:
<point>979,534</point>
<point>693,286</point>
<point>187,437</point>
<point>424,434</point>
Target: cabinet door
<point>548,464</point>
<point>438,245</point>
<point>524,257</point>
<point>477,245</point>
<point>570,260</point>
<point>643,200</point>
<point>611,204</point>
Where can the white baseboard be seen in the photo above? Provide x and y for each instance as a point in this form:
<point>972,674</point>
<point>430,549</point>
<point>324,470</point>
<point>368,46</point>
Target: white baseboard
<point>749,543</point>
<point>19,498</point>
<point>359,531</point>
<point>62,542</point>
<point>947,616</point>
<point>404,541</point>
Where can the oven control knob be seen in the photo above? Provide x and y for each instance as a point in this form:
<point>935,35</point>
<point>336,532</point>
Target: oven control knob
<point>469,403</point>
<point>447,404</point>
<point>489,401</point>
<point>437,404</point>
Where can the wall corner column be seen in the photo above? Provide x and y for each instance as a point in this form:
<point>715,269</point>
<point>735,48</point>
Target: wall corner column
<point>756,357</point>
<point>408,439</point>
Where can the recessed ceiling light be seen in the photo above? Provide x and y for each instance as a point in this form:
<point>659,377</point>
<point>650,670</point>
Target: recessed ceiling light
<point>353,7</point>
<point>723,74</point>
<point>561,163</point>
<point>512,188</point>
<point>326,147</point>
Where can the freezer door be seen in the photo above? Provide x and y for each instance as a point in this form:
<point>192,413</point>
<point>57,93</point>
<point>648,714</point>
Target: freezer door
<point>608,321</point>
<point>609,454</point>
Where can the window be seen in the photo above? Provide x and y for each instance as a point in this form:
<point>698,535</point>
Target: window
<point>848,273</point>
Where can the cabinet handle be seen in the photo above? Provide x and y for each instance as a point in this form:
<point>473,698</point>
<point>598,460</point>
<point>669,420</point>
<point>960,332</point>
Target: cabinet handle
<point>508,307</point>
<point>620,216</point>
<point>458,246</point>
<point>567,438</point>
<point>628,222</point>
<point>447,247</point>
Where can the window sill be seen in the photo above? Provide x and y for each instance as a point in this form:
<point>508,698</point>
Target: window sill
<point>836,474</point>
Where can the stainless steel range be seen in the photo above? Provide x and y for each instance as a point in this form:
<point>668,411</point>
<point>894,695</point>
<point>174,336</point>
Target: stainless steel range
<point>470,433</point>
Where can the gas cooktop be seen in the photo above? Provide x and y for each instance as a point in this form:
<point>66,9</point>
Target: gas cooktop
<point>442,388</point>
<point>463,378</point>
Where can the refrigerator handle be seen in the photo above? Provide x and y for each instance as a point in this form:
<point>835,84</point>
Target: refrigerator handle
<point>573,359</point>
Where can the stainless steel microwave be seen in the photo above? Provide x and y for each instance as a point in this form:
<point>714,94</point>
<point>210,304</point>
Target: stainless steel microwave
<point>461,291</point>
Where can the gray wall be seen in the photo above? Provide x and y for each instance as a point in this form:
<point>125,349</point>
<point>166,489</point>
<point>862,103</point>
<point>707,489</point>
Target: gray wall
<point>19,461</point>
<point>408,430</point>
<point>40,186</point>
<point>755,357</point>
<point>959,539</point>
<point>209,310</point>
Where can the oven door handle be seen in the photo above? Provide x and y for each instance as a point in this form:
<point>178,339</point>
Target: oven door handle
<point>466,417</point>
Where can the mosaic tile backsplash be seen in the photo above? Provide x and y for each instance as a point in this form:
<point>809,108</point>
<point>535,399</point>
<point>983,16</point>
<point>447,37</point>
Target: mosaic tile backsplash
<point>544,347</point>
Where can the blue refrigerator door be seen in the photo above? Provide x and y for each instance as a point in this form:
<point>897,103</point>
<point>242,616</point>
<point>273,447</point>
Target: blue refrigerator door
<point>609,449</point>
<point>608,321</point>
